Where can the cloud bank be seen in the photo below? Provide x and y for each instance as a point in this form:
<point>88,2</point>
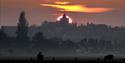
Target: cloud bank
<point>68,6</point>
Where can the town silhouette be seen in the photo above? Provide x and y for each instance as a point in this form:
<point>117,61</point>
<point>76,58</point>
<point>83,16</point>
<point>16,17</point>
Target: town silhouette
<point>63,39</point>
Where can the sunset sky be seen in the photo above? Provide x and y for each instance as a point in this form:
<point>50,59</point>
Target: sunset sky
<point>111,12</point>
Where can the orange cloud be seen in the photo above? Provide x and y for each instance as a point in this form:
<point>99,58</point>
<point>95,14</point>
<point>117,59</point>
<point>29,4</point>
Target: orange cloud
<point>77,8</point>
<point>61,3</point>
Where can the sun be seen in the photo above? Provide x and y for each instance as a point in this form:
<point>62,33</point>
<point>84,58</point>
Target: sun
<point>70,20</point>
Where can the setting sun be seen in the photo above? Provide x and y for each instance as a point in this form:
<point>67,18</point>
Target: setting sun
<point>70,20</point>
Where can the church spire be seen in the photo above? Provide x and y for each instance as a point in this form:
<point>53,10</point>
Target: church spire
<point>64,15</point>
<point>64,19</point>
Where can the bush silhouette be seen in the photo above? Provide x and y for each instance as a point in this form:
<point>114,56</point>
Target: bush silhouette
<point>40,56</point>
<point>108,57</point>
<point>123,59</point>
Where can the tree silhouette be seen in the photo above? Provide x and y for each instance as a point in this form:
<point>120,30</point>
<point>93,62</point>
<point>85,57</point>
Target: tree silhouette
<point>38,37</point>
<point>39,41</point>
<point>2,34</point>
<point>40,56</point>
<point>4,39</point>
<point>109,57</point>
<point>22,28</point>
<point>84,44</point>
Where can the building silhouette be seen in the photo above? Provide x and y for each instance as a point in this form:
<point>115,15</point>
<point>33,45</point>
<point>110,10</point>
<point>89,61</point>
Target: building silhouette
<point>64,19</point>
<point>59,29</point>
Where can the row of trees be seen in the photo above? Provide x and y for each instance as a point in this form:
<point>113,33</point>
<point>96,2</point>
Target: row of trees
<point>38,41</point>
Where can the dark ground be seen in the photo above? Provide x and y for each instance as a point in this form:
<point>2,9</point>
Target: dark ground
<point>53,60</point>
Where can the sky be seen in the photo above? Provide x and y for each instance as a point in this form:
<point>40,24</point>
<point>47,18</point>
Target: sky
<point>110,12</point>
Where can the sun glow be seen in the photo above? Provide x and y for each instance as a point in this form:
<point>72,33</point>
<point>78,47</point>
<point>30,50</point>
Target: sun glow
<point>70,20</point>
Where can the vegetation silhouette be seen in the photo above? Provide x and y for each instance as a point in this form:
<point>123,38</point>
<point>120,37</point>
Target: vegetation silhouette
<point>109,57</point>
<point>40,56</point>
<point>22,27</point>
<point>38,37</point>
<point>124,59</point>
<point>2,34</point>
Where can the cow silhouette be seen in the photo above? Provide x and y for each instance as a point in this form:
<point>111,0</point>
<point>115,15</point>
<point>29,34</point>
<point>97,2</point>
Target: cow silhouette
<point>40,56</point>
<point>108,57</point>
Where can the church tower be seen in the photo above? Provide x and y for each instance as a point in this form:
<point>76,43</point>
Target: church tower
<point>64,19</point>
<point>22,27</point>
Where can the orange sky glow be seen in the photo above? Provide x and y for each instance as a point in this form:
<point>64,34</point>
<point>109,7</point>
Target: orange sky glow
<point>111,12</point>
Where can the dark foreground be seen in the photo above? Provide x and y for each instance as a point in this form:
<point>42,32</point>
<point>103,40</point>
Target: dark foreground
<point>63,61</point>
